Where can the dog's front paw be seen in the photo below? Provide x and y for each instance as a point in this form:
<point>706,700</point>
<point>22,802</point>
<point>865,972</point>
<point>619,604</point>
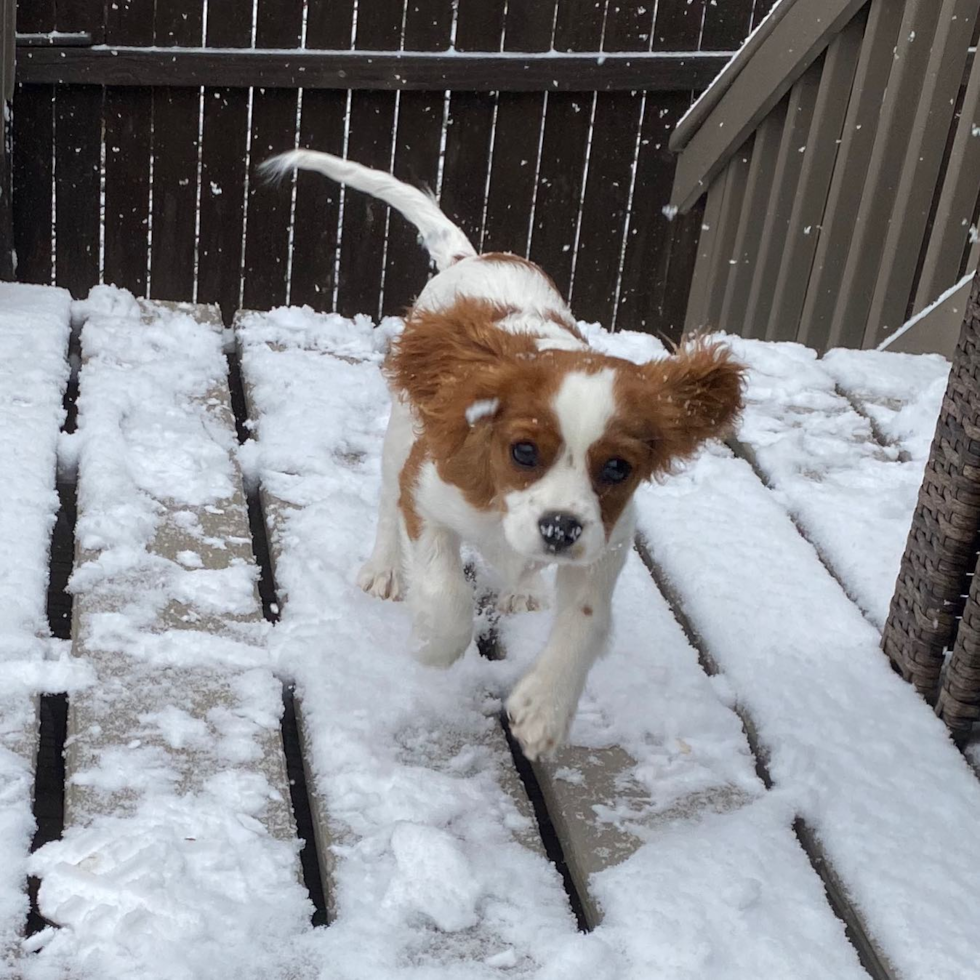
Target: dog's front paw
<point>521,602</point>
<point>538,719</point>
<point>383,582</point>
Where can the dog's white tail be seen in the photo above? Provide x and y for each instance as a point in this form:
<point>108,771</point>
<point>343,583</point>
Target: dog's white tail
<point>445,242</point>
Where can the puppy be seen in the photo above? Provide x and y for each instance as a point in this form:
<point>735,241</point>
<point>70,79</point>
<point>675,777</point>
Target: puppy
<point>509,433</point>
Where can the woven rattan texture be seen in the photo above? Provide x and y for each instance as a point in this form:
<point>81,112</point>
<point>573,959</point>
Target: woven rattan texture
<point>959,698</point>
<point>941,552</point>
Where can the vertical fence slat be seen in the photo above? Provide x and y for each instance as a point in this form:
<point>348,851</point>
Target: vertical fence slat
<point>33,127</point>
<point>789,163</point>
<point>35,16</point>
<point>278,24</point>
<point>618,116</point>
<point>316,223</point>
<point>761,11</point>
<point>923,157</point>
<point>678,25</point>
<point>520,116</point>
<point>128,114</point>
<point>660,251</point>
<point>748,237</point>
<point>224,143</point>
<point>470,125</point>
<point>816,328</point>
<point>420,121</point>
<point>884,168</point>
<point>176,114</point>
<point>370,137</point>
<point>78,165</point>
<point>814,182</point>
<point>72,16</point>
<point>954,214</point>
<point>561,169</point>
<point>725,21</point>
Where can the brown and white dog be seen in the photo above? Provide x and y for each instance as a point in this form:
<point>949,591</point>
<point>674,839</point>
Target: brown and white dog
<point>509,433</point>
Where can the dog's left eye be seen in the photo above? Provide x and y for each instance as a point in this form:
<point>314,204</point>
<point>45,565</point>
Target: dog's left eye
<point>525,454</point>
<point>615,471</point>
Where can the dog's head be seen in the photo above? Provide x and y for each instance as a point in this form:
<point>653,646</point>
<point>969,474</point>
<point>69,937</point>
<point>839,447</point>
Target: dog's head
<point>557,440</point>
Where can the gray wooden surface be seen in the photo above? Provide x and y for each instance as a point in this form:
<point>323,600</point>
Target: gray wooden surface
<point>110,715</point>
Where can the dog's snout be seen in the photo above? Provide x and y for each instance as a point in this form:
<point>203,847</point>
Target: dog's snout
<point>559,531</point>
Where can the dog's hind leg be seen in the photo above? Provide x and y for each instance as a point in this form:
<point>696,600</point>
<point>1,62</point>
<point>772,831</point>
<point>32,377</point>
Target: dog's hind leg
<point>382,575</point>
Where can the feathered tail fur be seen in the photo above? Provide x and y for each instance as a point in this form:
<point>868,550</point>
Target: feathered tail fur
<point>445,242</point>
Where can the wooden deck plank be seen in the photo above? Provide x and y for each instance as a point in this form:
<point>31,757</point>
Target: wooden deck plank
<point>310,512</point>
<point>681,785</point>
<point>175,748</point>
<point>899,393</point>
<point>600,794</point>
<point>210,538</point>
<point>34,330</point>
<point>808,668</point>
<point>823,460</point>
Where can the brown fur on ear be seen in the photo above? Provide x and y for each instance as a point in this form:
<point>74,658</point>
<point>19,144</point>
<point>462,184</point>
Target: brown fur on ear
<point>447,359</point>
<point>685,399</point>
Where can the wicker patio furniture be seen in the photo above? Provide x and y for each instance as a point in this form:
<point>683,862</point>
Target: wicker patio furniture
<point>933,630</point>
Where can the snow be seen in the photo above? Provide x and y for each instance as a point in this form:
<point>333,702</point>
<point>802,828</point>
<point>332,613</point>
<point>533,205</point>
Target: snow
<point>178,852</point>
<point>179,861</point>
<point>484,408</point>
<point>409,764</point>
<point>851,496</point>
<point>34,330</point>
<point>900,393</point>
<point>860,756</point>
<point>402,761</point>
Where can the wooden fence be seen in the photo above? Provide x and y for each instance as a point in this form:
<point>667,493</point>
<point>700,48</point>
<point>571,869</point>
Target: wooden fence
<point>841,159</point>
<point>542,126</point>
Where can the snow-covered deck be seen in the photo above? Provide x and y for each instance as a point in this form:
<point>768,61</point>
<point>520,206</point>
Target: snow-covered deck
<point>691,849</point>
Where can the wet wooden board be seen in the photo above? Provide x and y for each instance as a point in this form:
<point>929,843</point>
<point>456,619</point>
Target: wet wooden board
<point>137,680</point>
<point>33,375</point>
<point>426,748</point>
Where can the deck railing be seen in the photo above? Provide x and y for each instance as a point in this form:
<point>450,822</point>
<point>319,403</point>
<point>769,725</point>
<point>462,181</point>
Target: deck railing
<point>840,155</point>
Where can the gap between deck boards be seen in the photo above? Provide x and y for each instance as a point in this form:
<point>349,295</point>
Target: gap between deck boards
<point>744,451</point>
<point>297,768</point>
<point>49,767</point>
<point>872,959</point>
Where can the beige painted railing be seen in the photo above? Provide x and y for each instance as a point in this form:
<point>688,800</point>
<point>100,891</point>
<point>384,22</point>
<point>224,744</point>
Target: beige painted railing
<point>840,154</point>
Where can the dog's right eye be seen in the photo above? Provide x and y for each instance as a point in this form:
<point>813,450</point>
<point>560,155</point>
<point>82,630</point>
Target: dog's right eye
<point>524,454</point>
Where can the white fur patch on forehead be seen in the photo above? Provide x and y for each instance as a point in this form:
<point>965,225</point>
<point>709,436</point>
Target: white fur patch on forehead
<point>583,405</point>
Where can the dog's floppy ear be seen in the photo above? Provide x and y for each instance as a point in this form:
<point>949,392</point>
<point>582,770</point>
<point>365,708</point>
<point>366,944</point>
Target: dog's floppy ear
<point>452,363</point>
<point>687,398</point>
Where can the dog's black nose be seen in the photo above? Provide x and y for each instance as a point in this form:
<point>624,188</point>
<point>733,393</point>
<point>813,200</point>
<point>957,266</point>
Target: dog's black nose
<point>560,531</point>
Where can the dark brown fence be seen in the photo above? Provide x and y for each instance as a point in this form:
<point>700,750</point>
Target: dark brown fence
<point>542,125</point>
